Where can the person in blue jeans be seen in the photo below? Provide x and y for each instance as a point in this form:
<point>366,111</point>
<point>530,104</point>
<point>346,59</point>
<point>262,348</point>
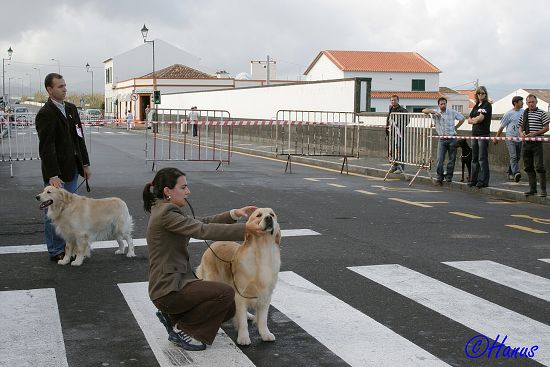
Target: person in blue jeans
<point>510,122</point>
<point>444,120</point>
<point>480,119</point>
<point>62,151</point>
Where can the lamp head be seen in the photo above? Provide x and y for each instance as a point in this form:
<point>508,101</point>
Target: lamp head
<point>87,67</point>
<point>10,52</point>
<point>144,32</point>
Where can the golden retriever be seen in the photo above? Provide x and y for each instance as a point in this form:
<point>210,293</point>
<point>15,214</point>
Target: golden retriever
<point>253,272</point>
<point>80,220</point>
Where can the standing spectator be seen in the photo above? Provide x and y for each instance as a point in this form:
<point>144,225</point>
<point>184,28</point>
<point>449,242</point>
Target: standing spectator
<point>534,122</point>
<point>480,119</point>
<point>193,119</point>
<point>510,122</point>
<point>444,119</point>
<point>398,132</point>
<point>62,150</point>
<point>129,120</point>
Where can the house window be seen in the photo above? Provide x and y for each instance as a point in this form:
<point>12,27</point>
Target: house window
<point>108,75</point>
<point>418,85</point>
<point>457,108</point>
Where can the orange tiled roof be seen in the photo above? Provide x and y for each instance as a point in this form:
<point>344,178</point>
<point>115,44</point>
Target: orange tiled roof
<point>471,93</point>
<point>377,61</point>
<point>179,71</point>
<point>409,95</point>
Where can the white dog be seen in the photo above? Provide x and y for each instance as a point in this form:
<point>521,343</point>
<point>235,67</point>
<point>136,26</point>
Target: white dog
<point>80,220</point>
<point>252,273</point>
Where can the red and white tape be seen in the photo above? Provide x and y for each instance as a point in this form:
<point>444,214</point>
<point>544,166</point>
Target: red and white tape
<point>534,138</point>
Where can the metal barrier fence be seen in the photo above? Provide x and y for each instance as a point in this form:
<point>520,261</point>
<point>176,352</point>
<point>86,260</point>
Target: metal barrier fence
<point>18,138</point>
<point>316,133</point>
<point>188,135</point>
<point>410,141</point>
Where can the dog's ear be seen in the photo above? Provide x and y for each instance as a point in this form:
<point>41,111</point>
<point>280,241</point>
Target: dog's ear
<point>278,236</point>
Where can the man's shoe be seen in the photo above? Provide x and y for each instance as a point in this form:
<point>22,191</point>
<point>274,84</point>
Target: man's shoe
<point>165,320</point>
<point>447,179</point>
<point>472,184</point>
<point>479,185</point>
<point>182,340</point>
<point>58,257</point>
<point>530,193</point>
<point>517,177</point>
<point>542,194</point>
<point>439,182</point>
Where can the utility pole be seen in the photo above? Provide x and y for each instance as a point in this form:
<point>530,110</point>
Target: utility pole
<point>267,72</point>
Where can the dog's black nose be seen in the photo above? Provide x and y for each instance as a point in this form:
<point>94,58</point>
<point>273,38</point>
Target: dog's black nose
<point>37,197</point>
<point>269,220</point>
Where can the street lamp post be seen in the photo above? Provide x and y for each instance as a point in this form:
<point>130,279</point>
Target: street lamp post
<point>144,32</point>
<point>39,81</point>
<point>30,82</point>
<point>10,52</point>
<point>89,70</point>
<point>58,65</point>
<point>9,87</point>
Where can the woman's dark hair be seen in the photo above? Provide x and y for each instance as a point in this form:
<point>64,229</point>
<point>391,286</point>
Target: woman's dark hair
<point>166,177</point>
<point>481,89</point>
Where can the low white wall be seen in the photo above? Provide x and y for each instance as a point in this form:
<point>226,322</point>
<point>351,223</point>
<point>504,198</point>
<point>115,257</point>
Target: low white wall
<point>264,102</point>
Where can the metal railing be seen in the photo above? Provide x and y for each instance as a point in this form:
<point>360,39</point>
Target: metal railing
<point>410,141</point>
<point>188,135</point>
<point>18,138</point>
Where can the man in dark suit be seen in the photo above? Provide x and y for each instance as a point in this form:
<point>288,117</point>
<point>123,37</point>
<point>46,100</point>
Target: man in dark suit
<point>62,150</point>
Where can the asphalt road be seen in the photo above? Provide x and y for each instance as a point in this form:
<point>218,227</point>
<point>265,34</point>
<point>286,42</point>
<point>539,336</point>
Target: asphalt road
<point>456,265</point>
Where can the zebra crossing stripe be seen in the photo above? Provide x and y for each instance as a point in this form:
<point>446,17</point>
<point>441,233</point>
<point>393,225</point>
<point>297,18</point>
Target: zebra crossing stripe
<point>20,249</point>
<point>31,329</point>
<point>522,281</point>
<point>545,260</point>
<point>471,311</point>
<point>353,336</point>
<point>223,352</point>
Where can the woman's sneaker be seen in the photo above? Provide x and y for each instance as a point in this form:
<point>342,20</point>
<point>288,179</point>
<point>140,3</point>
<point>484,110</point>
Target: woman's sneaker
<point>165,320</point>
<point>187,342</point>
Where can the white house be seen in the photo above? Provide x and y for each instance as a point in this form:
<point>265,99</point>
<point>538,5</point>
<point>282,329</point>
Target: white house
<point>406,74</point>
<point>129,78</point>
<point>124,69</point>
<point>505,104</point>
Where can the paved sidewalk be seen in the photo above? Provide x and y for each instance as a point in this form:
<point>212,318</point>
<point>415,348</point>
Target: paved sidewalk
<point>499,185</point>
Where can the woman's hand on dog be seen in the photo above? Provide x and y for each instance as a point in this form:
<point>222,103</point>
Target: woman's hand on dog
<point>245,211</point>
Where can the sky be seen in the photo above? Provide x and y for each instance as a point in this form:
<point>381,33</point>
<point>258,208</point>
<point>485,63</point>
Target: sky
<point>501,43</point>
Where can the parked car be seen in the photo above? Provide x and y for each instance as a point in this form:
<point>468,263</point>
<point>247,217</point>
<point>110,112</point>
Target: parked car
<point>93,116</point>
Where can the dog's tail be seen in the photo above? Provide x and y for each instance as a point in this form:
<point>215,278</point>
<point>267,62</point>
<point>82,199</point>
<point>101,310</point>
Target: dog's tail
<point>124,223</point>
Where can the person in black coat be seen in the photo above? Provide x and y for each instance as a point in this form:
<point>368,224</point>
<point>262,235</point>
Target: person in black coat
<point>62,150</point>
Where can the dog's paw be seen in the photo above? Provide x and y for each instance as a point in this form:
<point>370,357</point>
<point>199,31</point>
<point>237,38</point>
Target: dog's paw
<point>63,261</point>
<point>119,252</point>
<point>77,263</point>
<point>130,254</point>
<point>268,337</point>
<point>243,340</point>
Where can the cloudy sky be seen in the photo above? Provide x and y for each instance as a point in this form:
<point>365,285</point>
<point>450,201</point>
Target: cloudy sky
<point>501,43</point>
